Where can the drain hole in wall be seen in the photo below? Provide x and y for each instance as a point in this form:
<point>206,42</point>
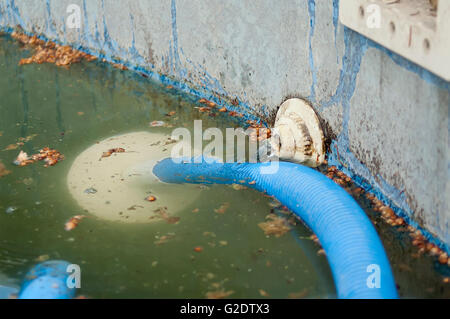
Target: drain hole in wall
<point>426,45</point>
<point>392,27</point>
<point>361,11</point>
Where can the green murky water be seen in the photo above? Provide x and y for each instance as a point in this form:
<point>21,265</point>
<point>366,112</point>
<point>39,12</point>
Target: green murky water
<point>70,110</point>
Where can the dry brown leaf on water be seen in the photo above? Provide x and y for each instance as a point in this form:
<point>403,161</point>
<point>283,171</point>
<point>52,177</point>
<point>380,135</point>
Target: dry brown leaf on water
<point>198,249</point>
<point>150,198</point>
<point>11,147</point>
<point>26,139</point>
<point>113,151</point>
<point>222,209</point>
<point>50,52</point>
<point>3,170</point>
<point>73,222</point>
<point>119,66</point>
<point>162,213</point>
<point>274,225</point>
<point>164,239</point>
<point>219,294</point>
<point>298,295</point>
<point>263,293</point>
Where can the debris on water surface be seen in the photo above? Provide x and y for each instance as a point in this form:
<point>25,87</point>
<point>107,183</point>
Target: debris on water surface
<point>298,295</point>
<point>135,207</point>
<point>171,113</point>
<point>198,249</point>
<point>418,238</point>
<point>170,141</point>
<point>209,103</point>
<point>73,222</point>
<point>90,191</point>
<point>22,159</point>
<point>21,142</point>
<point>50,52</point>
<point>222,209</point>
<point>162,213</point>
<point>150,198</point>
<point>219,294</point>
<point>11,147</point>
<point>204,109</point>
<point>119,66</point>
<point>238,187</point>
<point>42,258</point>
<point>274,225</point>
<point>209,234</point>
<point>113,151</point>
<point>3,170</point>
<point>223,243</point>
<point>315,239</point>
<point>164,239</point>
<point>157,124</point>
<point>49,156</point>
<point>11,209</point>
<point>263,293</point>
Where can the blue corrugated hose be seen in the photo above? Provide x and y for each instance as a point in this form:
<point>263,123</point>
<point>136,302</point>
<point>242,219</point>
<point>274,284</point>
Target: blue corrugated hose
<point>356,256</point>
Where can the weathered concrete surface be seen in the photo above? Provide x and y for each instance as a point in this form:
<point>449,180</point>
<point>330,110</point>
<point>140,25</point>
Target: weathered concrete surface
<point>389,116</point>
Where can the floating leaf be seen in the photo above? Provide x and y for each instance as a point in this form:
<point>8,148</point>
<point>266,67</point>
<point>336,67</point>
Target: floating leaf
<point>274,225</point>
<point>222,209</point>
<point>3,170</point>
<point>219,294</point>
<point>73,222</point>
<point>157,123</point>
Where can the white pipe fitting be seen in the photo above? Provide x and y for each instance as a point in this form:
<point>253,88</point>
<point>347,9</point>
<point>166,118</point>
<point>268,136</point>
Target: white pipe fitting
<point>298,136</point>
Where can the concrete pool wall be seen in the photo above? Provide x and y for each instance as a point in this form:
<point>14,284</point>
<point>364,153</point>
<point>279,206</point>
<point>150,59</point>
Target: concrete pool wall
<point>389,117</point>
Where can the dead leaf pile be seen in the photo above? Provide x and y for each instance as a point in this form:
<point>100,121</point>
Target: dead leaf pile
<point>274,225</point>
<point>50,52</point>
<point>49,156</point>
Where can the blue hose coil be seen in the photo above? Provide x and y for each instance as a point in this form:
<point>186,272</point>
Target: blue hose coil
<point>47,281</point>
<point>348,237</point>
